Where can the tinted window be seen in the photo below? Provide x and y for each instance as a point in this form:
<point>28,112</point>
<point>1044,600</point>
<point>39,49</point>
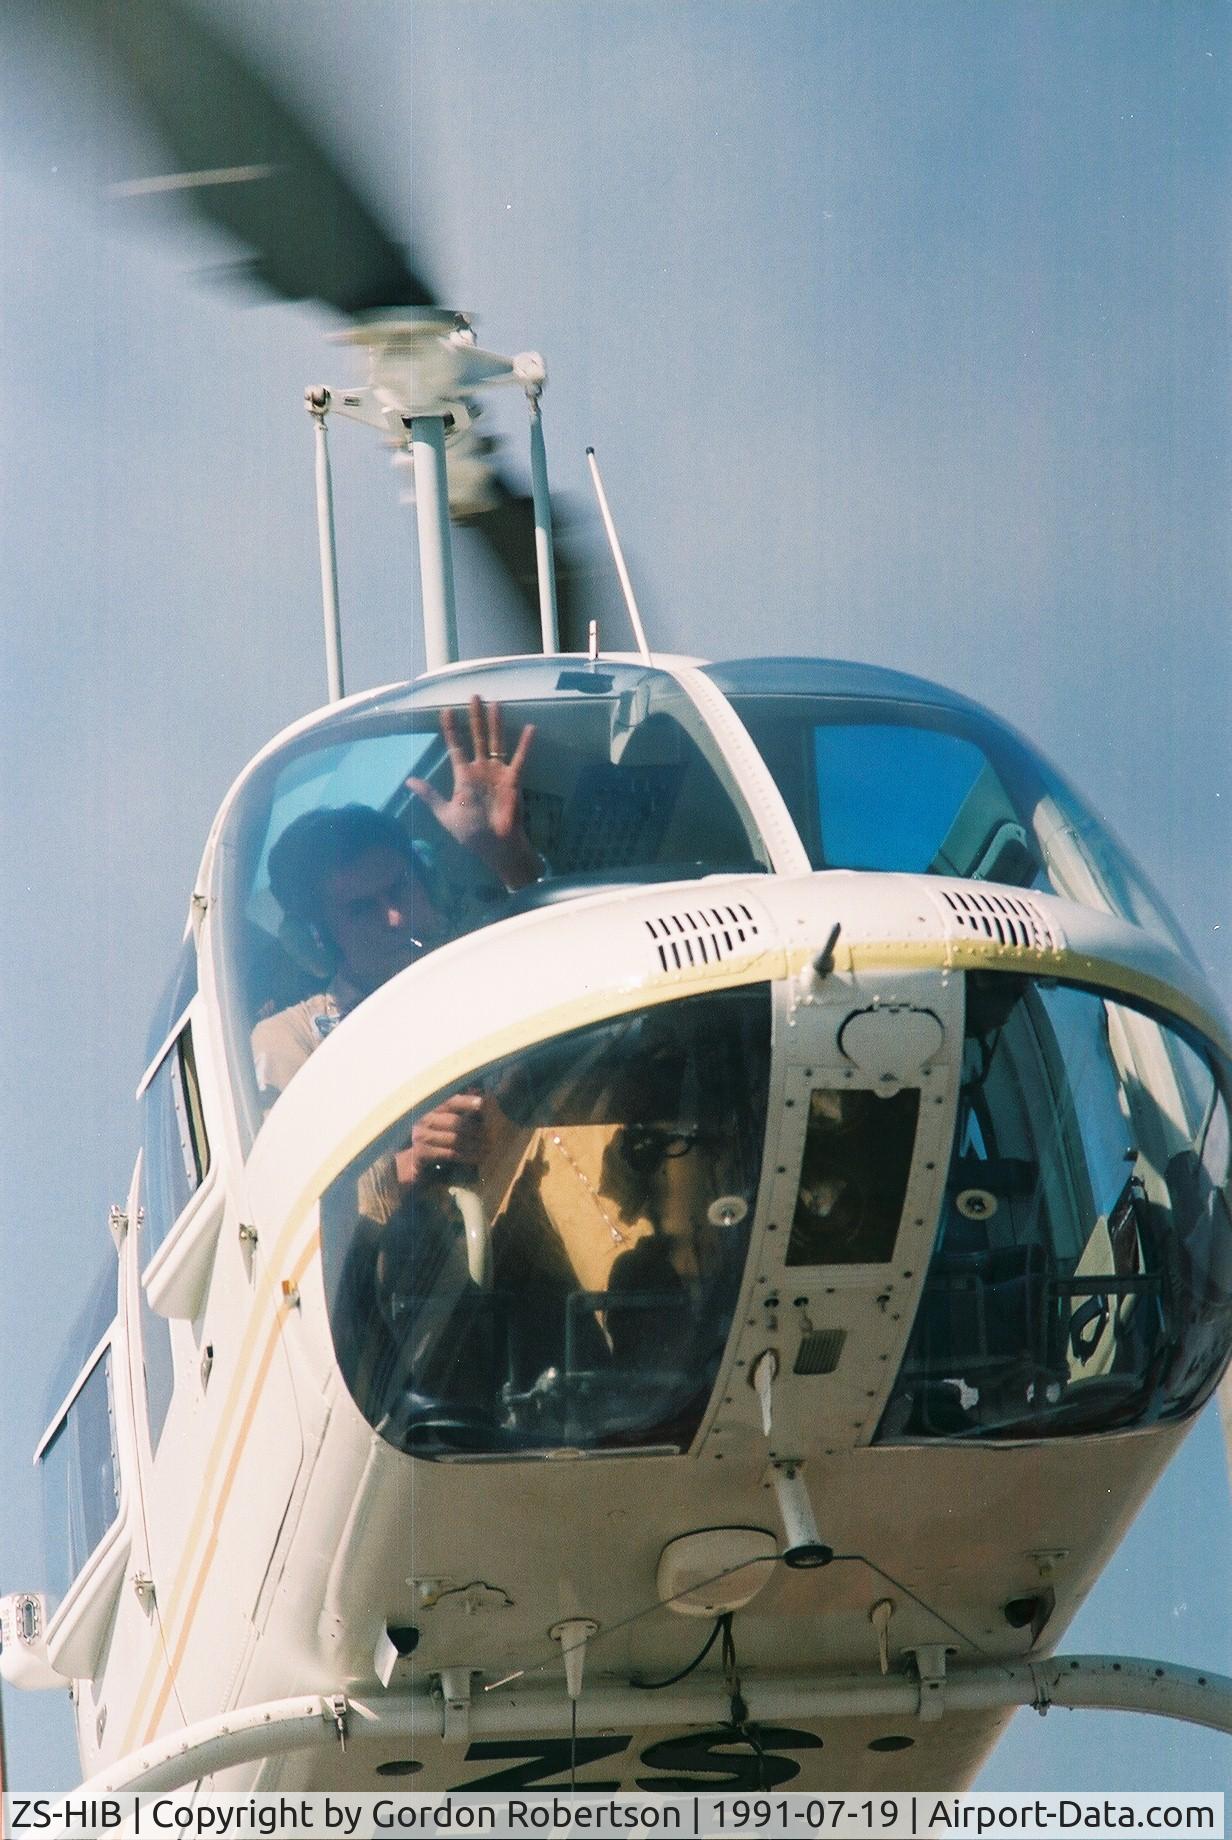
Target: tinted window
<point>93,1321</point>
<point>853,1177</point>
<point>876,788</point>
<point>622,783</point>
<point>1082,1278</point>
<point>574,1285</point>
<point>887,796</point>
<point>884,771</point>
<point>80,1478</point>
<point>175,1163</point>
<point>180,989</point>
<point>176,1148</point>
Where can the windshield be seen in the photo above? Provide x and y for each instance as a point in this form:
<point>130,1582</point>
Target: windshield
<point>570,1286</point>
<point>1082,1277</point>
<point>421,814</point>
<point>882,771</point>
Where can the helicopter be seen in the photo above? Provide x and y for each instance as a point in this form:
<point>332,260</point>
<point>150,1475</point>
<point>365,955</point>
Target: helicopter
<point>849,1023</point>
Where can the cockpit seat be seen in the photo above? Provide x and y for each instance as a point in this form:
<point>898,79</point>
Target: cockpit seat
<point>985,1314</point>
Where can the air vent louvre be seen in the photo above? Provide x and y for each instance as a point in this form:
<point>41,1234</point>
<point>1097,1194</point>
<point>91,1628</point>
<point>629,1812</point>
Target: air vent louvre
<point>820,1351</point>
<point>1008,919</point>
<point>702,935</point>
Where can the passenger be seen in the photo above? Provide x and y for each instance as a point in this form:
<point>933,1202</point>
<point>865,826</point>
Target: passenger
<point>349,877</point>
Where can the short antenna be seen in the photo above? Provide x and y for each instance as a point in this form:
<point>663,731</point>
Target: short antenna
<point>639,631</point>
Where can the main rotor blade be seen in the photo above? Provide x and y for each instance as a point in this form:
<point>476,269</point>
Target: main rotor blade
<point>241,158</point>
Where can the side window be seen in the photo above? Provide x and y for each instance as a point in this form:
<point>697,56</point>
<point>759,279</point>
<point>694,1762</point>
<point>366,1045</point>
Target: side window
<point>175,1163</point>
<point>177,994</point>
<point>80,1478</point>
<point>177,1152</point>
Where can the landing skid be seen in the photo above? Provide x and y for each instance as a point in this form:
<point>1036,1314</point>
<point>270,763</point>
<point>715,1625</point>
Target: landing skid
<point>1108,1683</point>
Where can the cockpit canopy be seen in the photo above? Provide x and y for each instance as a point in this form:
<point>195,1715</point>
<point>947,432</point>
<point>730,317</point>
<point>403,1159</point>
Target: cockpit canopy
<point>623,783</point>
<point>570,1282</point>
<point>885,771</point>
<point>629,780</point>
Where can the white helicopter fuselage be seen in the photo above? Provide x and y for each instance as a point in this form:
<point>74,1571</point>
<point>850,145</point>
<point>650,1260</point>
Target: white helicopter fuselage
<point>416,1550</point>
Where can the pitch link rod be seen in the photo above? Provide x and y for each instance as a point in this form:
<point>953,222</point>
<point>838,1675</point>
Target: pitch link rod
<point>1107,1683</point>
<point>530,373</point>
<point>316,401</point>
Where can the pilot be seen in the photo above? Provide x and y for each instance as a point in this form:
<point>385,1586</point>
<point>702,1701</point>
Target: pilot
<point>350,876</point>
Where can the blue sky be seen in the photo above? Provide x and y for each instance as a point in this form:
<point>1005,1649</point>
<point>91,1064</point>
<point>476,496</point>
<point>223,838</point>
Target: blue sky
<point>902,333</point>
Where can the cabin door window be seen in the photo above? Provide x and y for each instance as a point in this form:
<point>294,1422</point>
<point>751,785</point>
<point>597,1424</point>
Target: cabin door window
<point>81,1477</point>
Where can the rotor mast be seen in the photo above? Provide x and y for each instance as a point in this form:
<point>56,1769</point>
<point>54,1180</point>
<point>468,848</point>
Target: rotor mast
<point>423,371</point>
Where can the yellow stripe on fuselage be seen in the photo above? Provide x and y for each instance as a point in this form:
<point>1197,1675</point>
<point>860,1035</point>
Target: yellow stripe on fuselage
<point>245,1385</point>
<point>1109,975</point>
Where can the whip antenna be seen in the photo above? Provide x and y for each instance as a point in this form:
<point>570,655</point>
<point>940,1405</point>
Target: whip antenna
<point>639,631</point>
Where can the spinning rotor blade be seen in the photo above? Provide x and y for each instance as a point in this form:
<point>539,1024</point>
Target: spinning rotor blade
<point>507,532</point>
<point>241,158</point>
